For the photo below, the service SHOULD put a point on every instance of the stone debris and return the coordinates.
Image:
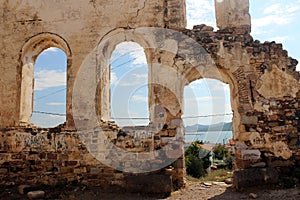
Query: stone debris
(229, 181)
(263, 79)
(36, 195)
(259, 165)
(24, 189)
(207, 184)
(253, 196)
(223, 184)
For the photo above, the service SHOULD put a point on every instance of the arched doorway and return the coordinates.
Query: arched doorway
(208, 128)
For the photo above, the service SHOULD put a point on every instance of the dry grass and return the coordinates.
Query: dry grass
(216, 175)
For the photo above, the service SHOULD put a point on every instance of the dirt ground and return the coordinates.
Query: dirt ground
(193, 191)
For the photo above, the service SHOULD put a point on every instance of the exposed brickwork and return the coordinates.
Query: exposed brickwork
(265, 93)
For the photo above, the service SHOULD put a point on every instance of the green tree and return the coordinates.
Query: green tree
(194, 165)
(221, 152)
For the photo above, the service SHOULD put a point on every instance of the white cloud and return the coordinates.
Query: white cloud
(208, 98)
(279, 39)
(220, 87)
(113, 78)
(47, 120)
(275, 19)
(272, 9)
(281, 8)
(139, 98)
(55, 104)
(128, 83)
(51, 49)
(277, 14)
(58, 118)
(200, 12)
(134, 80)
(141, 76)
(49, 78)
(133, 50)
(211, 85)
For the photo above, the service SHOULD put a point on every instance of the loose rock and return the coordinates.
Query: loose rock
(36, 195)
(23, 189)
(253, 196)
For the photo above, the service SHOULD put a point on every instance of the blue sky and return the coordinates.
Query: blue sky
(129, 84)
(50, 87)
(272, 20)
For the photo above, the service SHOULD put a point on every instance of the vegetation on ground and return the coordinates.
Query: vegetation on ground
(197, 167)
(219, 175)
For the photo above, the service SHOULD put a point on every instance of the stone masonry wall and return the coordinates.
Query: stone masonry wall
(79, 26)
(264, 87)
(56, 156)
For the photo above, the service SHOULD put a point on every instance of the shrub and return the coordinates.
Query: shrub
(194, 165)
(220, 152)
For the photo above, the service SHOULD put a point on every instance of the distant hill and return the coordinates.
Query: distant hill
(214, 127)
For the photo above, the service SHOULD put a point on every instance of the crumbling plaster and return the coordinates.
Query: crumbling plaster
(264, 90)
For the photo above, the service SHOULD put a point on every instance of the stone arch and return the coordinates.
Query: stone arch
(104, 51)
(165, 48)
(226, 77)
(28, 55)
(185, 61)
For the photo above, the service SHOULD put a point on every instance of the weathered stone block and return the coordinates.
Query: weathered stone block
(24, 189)
(259, 165)
(253, 177)
(71, 163)
(52, 156)
(249, 120)
(250, 154)
(3, 170)
(66, 169)
(36, 195)
(148, 183)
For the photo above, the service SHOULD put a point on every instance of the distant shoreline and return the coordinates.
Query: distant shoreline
(213, 127)
(216, 137)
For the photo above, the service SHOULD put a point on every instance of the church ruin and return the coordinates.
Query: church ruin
(91, 150)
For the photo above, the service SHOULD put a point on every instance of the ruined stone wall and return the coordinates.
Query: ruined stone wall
(80, 27)
(59, 157)
(264, 89)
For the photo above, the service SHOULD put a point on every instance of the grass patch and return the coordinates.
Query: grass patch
(219, 175)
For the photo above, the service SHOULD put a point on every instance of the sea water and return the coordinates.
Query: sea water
(216, 137)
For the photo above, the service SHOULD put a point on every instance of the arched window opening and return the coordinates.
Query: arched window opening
(207, 108)
(129, 85)
(200, 12)
(208, 126)
(49, 104)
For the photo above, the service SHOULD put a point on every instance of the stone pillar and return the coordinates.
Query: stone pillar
(175, 14)
(26, 106)
(166, 101)
(103, 89)
(165, 89)
(233, 14)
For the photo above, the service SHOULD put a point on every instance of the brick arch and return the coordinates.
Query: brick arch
(32, 48)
